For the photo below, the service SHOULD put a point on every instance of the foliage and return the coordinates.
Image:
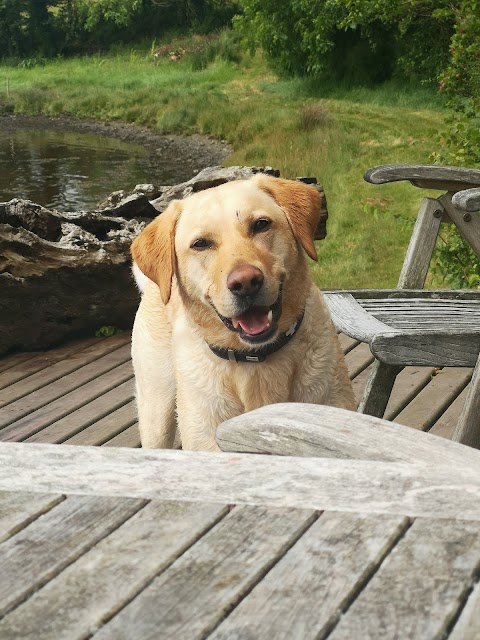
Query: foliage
(367, 40)
(455, 263)
(30, 28)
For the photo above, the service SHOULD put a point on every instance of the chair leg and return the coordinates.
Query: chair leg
(379, 387)
(467, 430)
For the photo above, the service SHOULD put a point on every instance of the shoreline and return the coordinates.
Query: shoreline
(202, 150)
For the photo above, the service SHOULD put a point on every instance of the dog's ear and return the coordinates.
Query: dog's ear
(154, 249)
(301, 204)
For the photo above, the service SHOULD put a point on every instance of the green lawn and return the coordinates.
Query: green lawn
(301, 127)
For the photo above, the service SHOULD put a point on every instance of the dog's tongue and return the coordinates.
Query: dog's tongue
(253, 321)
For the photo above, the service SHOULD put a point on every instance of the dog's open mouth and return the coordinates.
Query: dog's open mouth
(256, 323)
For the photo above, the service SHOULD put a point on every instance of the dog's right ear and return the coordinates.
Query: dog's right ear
(154, 249)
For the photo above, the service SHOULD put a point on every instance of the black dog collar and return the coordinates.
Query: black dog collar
(259, 355)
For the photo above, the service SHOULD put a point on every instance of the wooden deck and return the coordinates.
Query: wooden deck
(82, 393)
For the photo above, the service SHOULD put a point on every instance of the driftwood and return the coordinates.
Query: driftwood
(66, 274)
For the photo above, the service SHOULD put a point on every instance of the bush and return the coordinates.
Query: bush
(455, 262)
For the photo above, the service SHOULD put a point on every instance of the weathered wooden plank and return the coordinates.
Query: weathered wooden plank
(128, 438)
(211, 577)
(408, 384)
(424, 410)
(37, 553)
(371, 295)
(312, 483)
(468, 200)
(359, 383)
(422, 243)
(95, 385)
(445, 425)
(6, 362)
(419, 587)
(318, 431)
(108, 576)
(302, 596)
(350, 318)
(38, 381)
(108, 427)
(441, 348)
(347, 343)
(358, 360)
(378, 389)
(43, 360)
(428, 176)
(17, 509)
(467, 430)
(79, 420)
(468, 624)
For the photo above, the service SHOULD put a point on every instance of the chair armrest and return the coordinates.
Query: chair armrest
(425, 176)
(467, 200)
(311, 430)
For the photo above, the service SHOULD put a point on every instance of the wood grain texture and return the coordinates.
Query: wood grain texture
(377, 391)
(313, 483)
(409, 383)
(305, 592)
(431, 176)
(103, 580)
(42, 361)
(422, 243)
(419, 587)
(349, 317)
(467, 430)
(80, 419)
(76, 394)
(445, 425)
(314, 430)
(12, 360)
(358, 360)
(78, 360)
(468, 200)
(424, 410)
(37, 553)
(193, 595)
(468, 624)
(107, 427)
(441, 348)
(128, 438)
(17, 509)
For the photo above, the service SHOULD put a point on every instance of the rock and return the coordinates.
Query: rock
(68, 274)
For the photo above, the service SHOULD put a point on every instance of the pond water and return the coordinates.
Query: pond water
(75, 171)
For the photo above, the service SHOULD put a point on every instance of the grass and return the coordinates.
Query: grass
(301, 127)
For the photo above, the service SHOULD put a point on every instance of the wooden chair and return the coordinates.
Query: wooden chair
(410, 326)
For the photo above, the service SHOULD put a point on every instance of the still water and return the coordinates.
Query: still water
(75, 171)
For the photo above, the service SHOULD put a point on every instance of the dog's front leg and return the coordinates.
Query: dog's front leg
(198, 419)
(155, 389)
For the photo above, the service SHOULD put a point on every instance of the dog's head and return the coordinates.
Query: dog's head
(237, 253)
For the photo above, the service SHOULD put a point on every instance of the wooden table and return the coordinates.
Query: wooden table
(132, 544)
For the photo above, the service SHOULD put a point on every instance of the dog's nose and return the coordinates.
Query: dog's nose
(245, 280)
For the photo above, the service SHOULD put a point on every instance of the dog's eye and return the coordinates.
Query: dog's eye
(200, 244)
(261, 224)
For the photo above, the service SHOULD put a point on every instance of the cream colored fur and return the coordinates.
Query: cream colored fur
(180, 383)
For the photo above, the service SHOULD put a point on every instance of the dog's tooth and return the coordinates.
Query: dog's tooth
(270, 316)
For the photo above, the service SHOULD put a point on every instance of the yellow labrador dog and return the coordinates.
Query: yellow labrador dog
(229, 319)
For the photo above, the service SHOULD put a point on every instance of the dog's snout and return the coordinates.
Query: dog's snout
(245, 280)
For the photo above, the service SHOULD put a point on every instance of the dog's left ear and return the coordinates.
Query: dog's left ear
(154, 249)
(301, 204)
